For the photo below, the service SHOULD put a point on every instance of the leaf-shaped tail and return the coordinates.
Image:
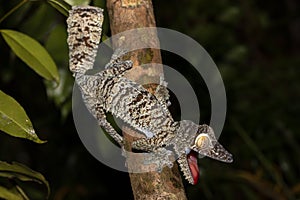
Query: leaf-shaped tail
(84, 34)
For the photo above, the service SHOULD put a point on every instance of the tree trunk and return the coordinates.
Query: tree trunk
(130, 14)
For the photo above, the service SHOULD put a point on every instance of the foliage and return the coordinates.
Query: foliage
(32, 53)
(14, 121)
(15, 172)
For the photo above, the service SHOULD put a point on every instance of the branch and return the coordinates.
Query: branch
(130, 14)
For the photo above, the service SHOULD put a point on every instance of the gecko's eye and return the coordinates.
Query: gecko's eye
(202, 141)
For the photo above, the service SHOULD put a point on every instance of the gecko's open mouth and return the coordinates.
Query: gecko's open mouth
(192, 160)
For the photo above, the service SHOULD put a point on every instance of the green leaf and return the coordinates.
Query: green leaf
(78, 2)
(61, 6)
(14, 121)
(6, 193)
(32, 53)
(21, 192)
(22, 173)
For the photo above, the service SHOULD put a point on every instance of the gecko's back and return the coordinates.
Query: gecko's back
(139, 108)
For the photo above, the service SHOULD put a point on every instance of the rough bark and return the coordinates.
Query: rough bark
(130, 14)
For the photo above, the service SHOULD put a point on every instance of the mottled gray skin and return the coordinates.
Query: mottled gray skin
(109, 91)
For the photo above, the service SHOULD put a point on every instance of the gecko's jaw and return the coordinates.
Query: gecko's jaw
(192, 160)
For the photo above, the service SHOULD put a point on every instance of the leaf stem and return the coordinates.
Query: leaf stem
(13, 10)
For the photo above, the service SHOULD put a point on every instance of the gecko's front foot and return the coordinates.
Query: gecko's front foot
(160, 157)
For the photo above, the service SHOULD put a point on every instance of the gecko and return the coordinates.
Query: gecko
(109, 91)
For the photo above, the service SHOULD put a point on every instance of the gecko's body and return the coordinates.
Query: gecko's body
(110, 91)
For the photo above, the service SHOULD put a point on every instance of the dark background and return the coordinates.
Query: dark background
(256, 46)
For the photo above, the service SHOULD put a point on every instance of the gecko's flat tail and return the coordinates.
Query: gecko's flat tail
(192, 160)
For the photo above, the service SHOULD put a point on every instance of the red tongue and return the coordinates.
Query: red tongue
(192, 159)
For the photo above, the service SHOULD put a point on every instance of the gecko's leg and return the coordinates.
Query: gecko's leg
(98, 112)
(116, 66)
(158, 154)
(116, 57)
(161, 157)
(162, 93)
(117, 69)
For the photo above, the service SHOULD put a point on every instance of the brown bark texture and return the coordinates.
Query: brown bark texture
(126, 15)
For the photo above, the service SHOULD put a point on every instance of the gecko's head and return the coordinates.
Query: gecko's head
(202, 143)
(206, 144)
